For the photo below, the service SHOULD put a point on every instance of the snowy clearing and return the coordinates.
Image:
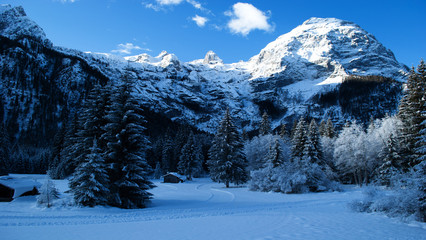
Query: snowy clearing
(202, 209)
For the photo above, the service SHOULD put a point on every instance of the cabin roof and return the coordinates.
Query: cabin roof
(20, 185)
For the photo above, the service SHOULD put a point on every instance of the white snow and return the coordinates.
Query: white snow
(205, 210)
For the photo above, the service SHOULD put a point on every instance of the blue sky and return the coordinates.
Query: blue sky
(234, 30)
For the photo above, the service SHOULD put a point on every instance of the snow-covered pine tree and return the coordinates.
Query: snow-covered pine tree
(410, 112)
(227, 162)
(329, 130)
(48, 193)
(190, 163)
(390, 161)
(127, 144)
(283, 131)
(88, 125)
(265, 125)
(275, 157)
(90, 180)
(321, 128)
(299, 139)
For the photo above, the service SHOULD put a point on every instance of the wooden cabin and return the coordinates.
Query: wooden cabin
(173, 178)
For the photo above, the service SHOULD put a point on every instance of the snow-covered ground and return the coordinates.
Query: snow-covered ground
(202, 209)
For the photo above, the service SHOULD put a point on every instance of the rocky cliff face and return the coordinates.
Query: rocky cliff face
(40, 83)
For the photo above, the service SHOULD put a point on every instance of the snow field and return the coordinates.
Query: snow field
(202, 209)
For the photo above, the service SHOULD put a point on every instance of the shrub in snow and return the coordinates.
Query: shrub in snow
(48, 193)
(407, 199)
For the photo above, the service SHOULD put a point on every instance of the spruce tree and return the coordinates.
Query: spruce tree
(390, 161)
(410, 112)
(275, 156)
(190, 162)
(283, 131)
(322, 127)
(90, 180)
(265, 125)
(227, 162)
(127, 145)
(299, 139)
(329, 130)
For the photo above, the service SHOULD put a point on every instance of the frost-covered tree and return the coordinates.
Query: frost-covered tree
(48, 194)
(227, 162)
(190, 163)
(349, 152)
(257, 149)
(127, 144)
(299, 139)
(90, 180)
(265, 125)
(158, 172)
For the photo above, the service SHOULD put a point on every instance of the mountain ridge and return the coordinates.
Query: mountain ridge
(283, 79)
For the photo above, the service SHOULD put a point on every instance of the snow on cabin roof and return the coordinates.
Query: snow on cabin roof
(176, 175)
(20, 185)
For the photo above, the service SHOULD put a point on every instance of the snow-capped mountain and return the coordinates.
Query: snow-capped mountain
(286, 78)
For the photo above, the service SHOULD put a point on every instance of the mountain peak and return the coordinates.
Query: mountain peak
(319, 46)
(15, 24)
(212, 58)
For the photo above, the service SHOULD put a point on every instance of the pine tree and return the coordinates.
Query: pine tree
(410, 112)
(56, 157)
(299, 140)
(48, 193)
(167, 154)
(283, 131)
(90, 180)
(265, 125)
(65, 166)
(275, 156)
(190, 163)
(312, 148)
(390, 161)
(329, 130)
(322, 127)
(227, 162)
(126, 150)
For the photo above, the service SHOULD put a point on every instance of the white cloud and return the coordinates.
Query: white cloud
(200, 21)
(169, 2)
(66, 1)
(161, 4)
(195, 4)
(128, 48)
(245, 18)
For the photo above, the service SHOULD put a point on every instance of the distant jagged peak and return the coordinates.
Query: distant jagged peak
(212, 58)
(15, 24)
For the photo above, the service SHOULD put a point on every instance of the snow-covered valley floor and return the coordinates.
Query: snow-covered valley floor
(202, 209)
